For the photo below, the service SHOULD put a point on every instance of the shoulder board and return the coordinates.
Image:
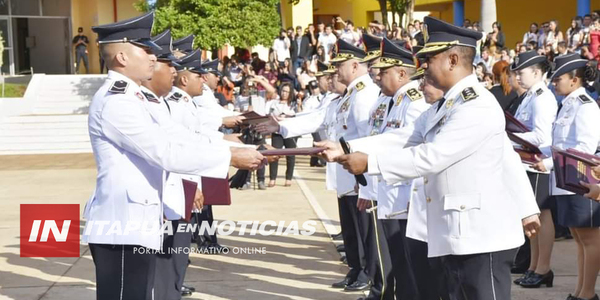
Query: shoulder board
(469, 94)
(585, 99)
(360, 86)
(414, 94)
(119, 87)
(175, 97)
(539, 92)
(151, 97)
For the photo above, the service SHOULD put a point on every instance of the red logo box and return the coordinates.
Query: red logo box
(49, 230)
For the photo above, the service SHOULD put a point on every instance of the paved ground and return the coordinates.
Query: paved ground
(294, 267)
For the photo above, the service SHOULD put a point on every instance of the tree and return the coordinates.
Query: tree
(239, 23)
(384, 12)
(401, 7)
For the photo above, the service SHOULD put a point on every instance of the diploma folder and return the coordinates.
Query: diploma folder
(293, 151)
(189, 191)
(526, 150)
(573, 166)
(514, 125)
(216, 191)
(253, 118)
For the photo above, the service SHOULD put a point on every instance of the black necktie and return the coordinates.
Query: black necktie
(440, 103)
(390, 105)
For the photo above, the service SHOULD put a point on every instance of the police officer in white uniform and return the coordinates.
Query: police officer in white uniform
(477, 193)
(131, 150)
(351, 114)
(537, 112)
(576, 127)
(319, 99)
(352, 122)
(404, 104)
(170, 265)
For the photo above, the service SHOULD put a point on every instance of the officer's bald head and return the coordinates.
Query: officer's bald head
(128, 59)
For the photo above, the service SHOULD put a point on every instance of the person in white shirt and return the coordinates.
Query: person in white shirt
(327, 40)
(348, 34)
(281, 47)
(282, 107)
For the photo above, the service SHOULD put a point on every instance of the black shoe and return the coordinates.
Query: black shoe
(340, 248)
(536, 280)
(525, 276)
(357, 286)
(337, 238)
(193, 289)
(337, 235)
(570, 297)
(342, 284)
(185, 292)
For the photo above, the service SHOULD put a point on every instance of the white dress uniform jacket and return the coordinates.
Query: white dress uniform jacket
(317, 120)
(407, 105)
(351, 121)
(477, 192)
(537, 112)
(173, 195)
(185, 112)
(131, 151)
(577, 126)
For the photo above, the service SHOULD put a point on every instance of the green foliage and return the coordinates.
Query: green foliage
(13, 90)
(239, 23)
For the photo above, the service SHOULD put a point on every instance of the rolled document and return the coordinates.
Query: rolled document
(396, 213)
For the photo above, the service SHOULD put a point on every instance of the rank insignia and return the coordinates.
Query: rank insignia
(414, 94)
(175, 97)
(151, 97)
(469, 94)
(539, 92)
(449, 103)
(360, 86)
(119, 87)
(585, 99)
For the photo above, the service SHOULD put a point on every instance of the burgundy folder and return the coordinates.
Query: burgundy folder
(253, 118)
(514, 125)
(576, 167)
(189, 191)
(526, 150)
(293, 151)
(216, 191)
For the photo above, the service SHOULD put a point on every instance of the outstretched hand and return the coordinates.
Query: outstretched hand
(333, 151)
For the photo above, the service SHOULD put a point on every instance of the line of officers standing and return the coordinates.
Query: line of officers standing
(153, 123)
(447, 200)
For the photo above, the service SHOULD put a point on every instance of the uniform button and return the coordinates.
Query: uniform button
(426, 180)
(428, 199)
(146, 201)
(462, 207)
(415, 190)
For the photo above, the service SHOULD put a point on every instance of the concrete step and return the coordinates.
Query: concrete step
(51, 132)
(68, 118)
(36, 138)
(45, 148)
